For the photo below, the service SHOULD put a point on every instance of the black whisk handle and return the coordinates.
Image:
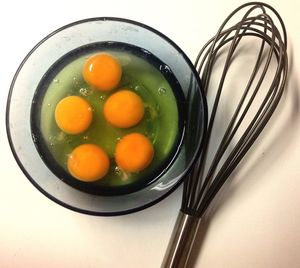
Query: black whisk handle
(181, 242)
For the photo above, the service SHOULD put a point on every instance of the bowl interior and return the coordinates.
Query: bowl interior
(81, 34)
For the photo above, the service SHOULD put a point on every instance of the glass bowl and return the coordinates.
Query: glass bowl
(80, 34)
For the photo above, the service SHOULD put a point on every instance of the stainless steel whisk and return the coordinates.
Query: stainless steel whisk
(205, 180)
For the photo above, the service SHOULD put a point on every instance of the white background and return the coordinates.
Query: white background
(256, 222)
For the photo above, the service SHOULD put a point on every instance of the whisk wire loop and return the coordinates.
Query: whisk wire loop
(201, 187)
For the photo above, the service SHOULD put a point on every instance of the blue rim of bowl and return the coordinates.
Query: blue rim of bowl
(94, 213)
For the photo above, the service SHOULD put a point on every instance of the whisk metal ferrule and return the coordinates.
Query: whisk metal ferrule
(181, 242)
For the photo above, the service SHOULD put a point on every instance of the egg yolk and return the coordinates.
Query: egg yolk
(73, 115)
(102, 71)
(124, 109)
(88, 162)
(134, 152)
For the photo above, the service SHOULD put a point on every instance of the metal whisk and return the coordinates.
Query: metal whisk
(253, 109)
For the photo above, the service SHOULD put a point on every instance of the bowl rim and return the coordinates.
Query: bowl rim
(73, 208)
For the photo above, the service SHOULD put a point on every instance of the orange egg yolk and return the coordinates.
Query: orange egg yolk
(88, 162)
(73, 115)
(124, 109)
(102, 71)
(134, 152)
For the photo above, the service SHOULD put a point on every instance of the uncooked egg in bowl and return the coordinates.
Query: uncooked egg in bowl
(105, 116)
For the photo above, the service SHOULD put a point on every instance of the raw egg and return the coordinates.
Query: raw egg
(73, 115)
(102, 71)
(124, 109)
(134, 152)
(88, 162)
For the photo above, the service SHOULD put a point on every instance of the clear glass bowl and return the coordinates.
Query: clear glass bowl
(58, 44)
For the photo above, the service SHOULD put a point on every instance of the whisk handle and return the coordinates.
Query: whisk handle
(181, 242)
